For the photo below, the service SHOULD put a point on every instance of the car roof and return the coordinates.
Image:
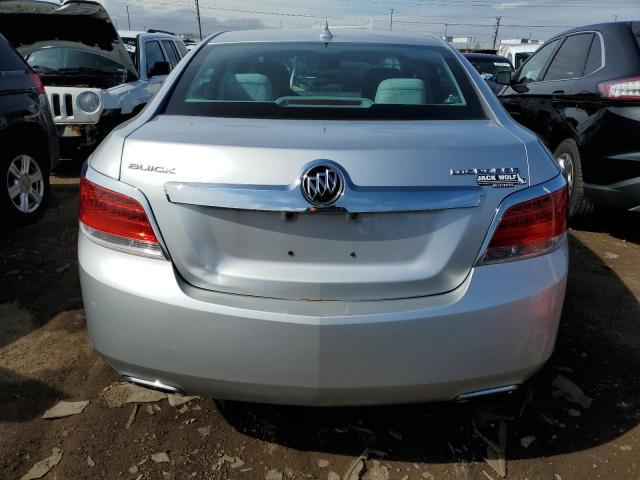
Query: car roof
(339, 36)
(135, 33)
(521, 47)
(598, 27)
(486, 56)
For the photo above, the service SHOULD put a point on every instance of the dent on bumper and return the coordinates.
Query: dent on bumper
(496, 329)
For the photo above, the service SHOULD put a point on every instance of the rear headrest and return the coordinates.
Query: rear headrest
(248, 87)
(373, 77)
(406, 91)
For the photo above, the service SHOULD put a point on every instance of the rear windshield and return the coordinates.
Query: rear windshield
(490, 67)
(9, 59)
(336, 81)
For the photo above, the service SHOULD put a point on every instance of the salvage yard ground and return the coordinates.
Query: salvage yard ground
(577, 419)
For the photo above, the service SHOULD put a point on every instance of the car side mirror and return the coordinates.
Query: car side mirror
(503, 77)
(159, 68)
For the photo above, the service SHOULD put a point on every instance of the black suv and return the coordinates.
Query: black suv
(29, 145)
(580, 92)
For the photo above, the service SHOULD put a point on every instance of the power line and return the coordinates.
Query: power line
(311, 16)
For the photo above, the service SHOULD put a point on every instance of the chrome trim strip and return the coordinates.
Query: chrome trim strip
(356, 199)
(535, 191)
(153, 384)
(486, 391)
(126, 189)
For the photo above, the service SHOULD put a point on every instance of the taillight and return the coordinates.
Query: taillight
(529, 228)
(35, 78)
(621, 89)
(116, 220)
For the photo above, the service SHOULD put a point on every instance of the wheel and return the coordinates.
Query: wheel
(24, 184)
(568, 157)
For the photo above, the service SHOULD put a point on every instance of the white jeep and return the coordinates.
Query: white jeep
(91, 80)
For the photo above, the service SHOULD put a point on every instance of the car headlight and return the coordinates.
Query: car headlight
(88, 102)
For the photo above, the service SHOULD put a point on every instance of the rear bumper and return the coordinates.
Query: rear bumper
(623, 195)
(611, 157)
(496, 329)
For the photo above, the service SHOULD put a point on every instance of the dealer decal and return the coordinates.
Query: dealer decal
(507, 177)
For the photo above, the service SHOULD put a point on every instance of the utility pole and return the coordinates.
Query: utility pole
(495, 34)
(391, 20)
(128, 18)
(198, 17)
(446, 25)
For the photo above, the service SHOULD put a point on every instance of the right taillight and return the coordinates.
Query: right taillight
(530, 228)
(621, 89)
(35, 78)
(117, 221)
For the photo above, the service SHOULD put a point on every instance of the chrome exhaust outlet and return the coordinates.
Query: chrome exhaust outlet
(154, 385)
(487, 391)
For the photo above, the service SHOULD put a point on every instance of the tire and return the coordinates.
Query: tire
(567, 155)
(24, 184)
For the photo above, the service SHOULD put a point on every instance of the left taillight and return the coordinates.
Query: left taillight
(35, 78)
(528, 229)
(621, 89)
(117, 221)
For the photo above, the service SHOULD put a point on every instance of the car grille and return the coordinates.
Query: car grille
(61, 105)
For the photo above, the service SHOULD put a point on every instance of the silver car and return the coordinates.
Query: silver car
(307, 218)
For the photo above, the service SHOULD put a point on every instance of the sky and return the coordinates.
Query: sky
(537, 19)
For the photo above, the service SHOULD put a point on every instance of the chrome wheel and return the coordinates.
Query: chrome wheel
(25, 184)
(566, 164)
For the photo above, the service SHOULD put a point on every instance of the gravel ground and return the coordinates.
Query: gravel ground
(45, 357)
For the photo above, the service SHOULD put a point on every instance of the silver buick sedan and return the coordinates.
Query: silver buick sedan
(302, 217)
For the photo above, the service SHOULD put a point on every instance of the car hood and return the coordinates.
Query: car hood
(84, 23)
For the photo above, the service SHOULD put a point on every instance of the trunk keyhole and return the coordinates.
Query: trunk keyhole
(291, 254)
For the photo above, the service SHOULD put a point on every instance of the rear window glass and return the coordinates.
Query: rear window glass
(311, 80)
(490, 67)
(570, 60)
(594, 60)
(170, 50)
(9, 59)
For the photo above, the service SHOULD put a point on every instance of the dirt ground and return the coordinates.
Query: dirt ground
(45, 357)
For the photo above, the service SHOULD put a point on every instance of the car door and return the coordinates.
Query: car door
(562, 86)
(153, 54)
(526, 96)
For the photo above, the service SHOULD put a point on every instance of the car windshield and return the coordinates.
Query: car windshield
(131, 46)
(491, 67)
(313, 80)
(73, 61)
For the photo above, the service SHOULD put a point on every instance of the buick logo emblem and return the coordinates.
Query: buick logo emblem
(322, 185)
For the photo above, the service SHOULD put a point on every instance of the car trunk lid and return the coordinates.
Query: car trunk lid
(226, 195)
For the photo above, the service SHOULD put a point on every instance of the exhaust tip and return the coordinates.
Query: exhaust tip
(485, 392)
(154, 384)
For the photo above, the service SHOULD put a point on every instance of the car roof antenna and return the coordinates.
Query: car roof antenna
(326, 36)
